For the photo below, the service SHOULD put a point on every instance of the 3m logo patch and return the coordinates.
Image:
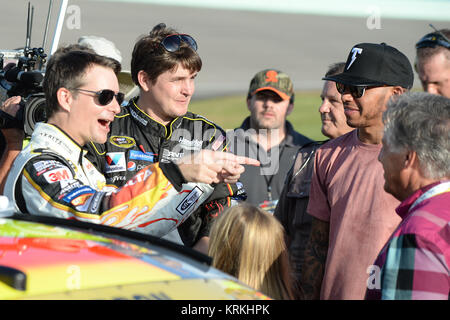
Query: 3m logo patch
(122, 142)
(57, 175)
(189, 200)
(115, 162)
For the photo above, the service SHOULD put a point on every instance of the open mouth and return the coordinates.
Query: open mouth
(104, 123)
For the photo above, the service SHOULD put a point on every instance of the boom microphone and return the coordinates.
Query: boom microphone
(26, 77)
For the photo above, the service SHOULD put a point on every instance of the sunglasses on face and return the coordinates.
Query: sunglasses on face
(355, 91)
(172, 42)
(432, 40)
(105, 96)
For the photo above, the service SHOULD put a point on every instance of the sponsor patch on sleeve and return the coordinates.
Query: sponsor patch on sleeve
(189, 200)
(67, 186)
(78, 195)
(58, 174)
(46, 165)
(96, 201)
(81, 200)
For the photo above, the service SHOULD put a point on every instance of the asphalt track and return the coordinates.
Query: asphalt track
(233, 44)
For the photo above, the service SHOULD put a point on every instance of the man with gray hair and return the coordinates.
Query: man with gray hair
(415, 262)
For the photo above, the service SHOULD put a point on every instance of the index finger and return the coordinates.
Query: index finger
(246, 160)
(238, 159)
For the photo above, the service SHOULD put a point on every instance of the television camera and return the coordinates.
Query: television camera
(24, 78)
(25, 81)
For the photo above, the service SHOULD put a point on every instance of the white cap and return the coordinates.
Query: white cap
(101, 46)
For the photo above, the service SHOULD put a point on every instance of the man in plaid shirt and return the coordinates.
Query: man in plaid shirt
(415, 262)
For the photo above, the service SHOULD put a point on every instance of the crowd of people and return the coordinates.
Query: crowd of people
(363, 215)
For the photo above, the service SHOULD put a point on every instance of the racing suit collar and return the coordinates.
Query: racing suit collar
(56, 139)
(148, 124)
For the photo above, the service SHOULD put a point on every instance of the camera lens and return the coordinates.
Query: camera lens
(39, 114)
(34, 112)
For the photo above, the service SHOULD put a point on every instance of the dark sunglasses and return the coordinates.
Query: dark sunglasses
(105, 96)
(432, 40)
(172, 42)
(355, 91)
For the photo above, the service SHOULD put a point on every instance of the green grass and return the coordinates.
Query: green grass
(229, 112)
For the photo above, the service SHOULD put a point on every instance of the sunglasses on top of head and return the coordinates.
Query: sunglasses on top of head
(172, 42)
(105, 96)
(432, 40)
(355, 91)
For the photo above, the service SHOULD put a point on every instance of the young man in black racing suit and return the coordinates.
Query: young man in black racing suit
(157, 127)
(52, 176)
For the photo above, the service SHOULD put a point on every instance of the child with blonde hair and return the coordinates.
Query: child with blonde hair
(248, 243)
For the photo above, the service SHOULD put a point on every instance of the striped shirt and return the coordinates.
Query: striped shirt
(414, 264)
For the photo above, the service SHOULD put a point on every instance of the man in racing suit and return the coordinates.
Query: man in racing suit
(156, 126)
(52, 176)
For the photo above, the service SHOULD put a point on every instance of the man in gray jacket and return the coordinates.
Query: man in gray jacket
(266, 135)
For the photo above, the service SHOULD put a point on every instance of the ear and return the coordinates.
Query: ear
(65, 98)
(397, 90)
(416, 64)
(290, 108)
(249, 104)
(144, 80)
(411, 160)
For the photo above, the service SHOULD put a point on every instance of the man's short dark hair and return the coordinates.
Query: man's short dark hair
(66, 69)
(335, 69)
(150, 56)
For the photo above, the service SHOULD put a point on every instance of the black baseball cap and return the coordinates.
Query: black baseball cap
(371, 64)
